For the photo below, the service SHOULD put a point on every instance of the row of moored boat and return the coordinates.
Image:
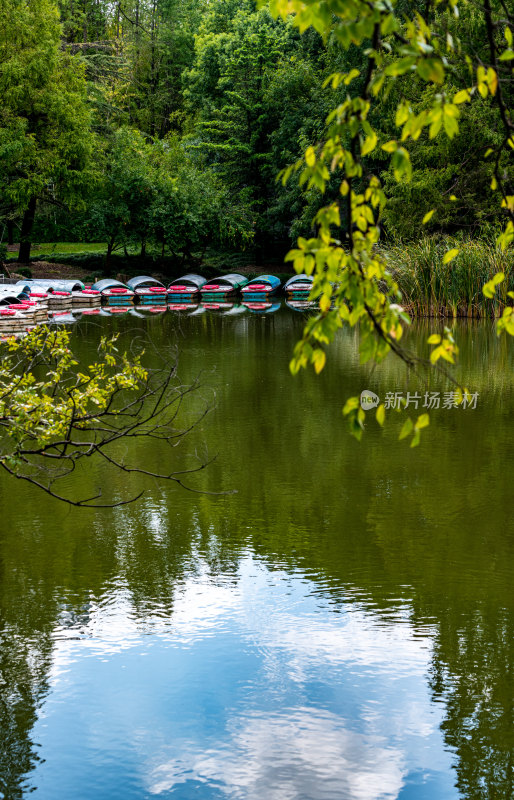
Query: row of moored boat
(33, 302)
(147, 291)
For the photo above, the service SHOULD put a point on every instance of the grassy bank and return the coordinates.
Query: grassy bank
(60, 250)
(90, 260)
(431, 288)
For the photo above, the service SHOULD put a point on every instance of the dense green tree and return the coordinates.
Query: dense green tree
(119, 207)
(152, 193)
(44, 118)
(192, 208)
(135, 52)
(451, 166)
(253, 92)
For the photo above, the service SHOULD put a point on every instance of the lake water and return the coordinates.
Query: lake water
(340, 628)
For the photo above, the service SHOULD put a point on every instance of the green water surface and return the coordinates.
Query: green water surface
(339, 628)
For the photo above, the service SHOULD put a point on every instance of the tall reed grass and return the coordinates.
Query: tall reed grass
(431, 288)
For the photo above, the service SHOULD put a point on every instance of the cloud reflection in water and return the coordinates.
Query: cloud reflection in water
(251, 688)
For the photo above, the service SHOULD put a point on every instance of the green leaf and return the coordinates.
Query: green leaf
(402, 114)
(422, 422)
(351, 404)
(462, 97)
(428, 216)
(450, 255)
(324, 303)
(436, 354)
(415, 439)
(451, 126)
(406, 428)
(431, 69)
(436, 124)
(318, 359)
(380, 414)
(354, 73)
(369, 144)
(401, 164)
(294, 366)
(401, 66)
(489, 288)
(310, 156)
(434, 339)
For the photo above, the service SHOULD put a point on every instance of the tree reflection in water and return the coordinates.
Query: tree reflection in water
(419, 538)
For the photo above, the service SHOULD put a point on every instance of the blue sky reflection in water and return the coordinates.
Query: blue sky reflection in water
(253, 688)
(342, 628)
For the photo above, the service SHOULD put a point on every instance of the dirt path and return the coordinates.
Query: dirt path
(44, 269)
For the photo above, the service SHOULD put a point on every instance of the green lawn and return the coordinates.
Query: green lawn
(56, 248)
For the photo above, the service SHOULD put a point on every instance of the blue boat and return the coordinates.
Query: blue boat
(148, 291)
(299, 286)
(13, 294)
(263, 286)
(54, 285)
(186, 287)
(224, 286)
(114, 292)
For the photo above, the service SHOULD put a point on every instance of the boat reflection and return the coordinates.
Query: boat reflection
(262, 307)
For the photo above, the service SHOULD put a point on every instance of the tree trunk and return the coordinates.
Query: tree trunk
(10, 231)
(110, 247)
(84, 23)
(26, 230)
(153, 71)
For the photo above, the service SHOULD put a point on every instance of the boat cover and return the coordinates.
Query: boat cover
(108, 283)
(302, 279)
(264, 283)
(191, 280)
(62, 318)
(182, 306)
(143, 282)
(231, 281)
(217, 305)
(55, 284)
(11, 293)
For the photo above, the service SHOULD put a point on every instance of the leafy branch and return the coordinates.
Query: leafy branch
(49, 426)
(352, 283)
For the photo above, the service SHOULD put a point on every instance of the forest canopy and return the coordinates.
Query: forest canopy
(163, 124)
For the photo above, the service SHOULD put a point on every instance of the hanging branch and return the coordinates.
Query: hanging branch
(48, 427)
